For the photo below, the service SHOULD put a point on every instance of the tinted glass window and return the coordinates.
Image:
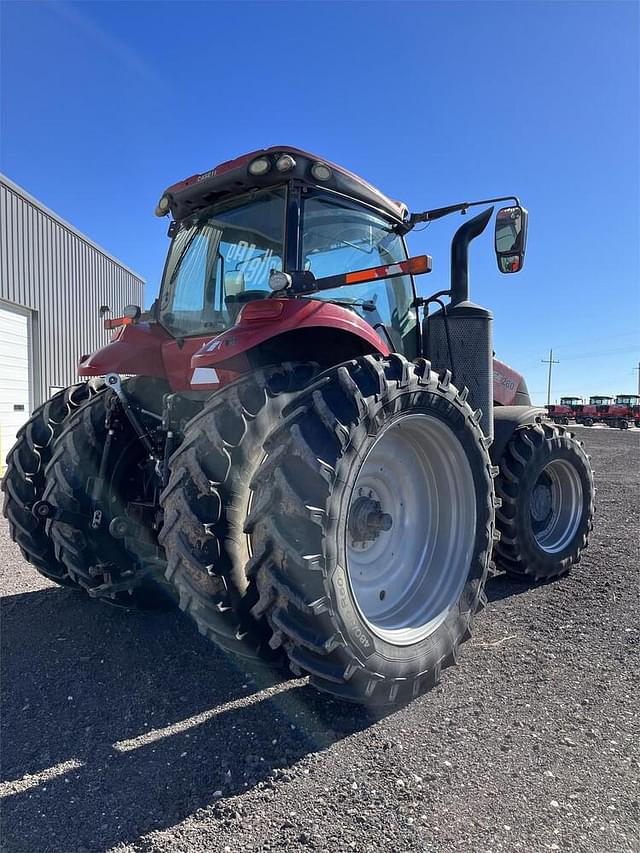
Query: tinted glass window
(221, 261)
(339, 236)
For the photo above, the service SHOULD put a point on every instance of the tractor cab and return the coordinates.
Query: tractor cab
(571, 402)
(600, 403)
(632, 400)
(282, 223)
(227, 255)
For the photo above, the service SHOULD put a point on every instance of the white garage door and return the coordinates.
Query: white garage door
(15, 376)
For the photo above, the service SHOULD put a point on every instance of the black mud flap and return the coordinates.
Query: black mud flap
(506, 420)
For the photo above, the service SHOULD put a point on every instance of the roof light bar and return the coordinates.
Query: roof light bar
(163, 206)
(321, 172)
(285, 163)
(259, 166)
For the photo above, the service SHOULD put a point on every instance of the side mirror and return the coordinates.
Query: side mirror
(511, 238)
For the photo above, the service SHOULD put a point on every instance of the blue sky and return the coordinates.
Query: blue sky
(105, 104)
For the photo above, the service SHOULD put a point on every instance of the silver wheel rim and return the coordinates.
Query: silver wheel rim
(406, 579)
(556, 506)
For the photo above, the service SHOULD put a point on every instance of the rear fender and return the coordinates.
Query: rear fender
(145, 349)
(134, 349)
(296, 328)
(506, 420)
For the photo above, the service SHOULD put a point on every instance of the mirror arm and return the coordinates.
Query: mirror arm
(462, 207)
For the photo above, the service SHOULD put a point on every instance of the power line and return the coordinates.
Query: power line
(600, 353)
(578, 343)
(550, 362)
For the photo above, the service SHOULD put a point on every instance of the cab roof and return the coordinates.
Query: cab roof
(233, 178)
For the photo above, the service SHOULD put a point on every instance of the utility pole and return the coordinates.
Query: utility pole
(638, 369)
(550, 362)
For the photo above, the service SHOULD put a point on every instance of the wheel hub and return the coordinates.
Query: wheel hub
(556, 506)
(541, 502)
(366, 519)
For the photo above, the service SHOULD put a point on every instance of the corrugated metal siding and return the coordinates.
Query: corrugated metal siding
(64, 278)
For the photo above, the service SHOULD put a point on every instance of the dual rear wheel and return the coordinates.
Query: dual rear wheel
(24, 481)
(60, 504)
(344, 522)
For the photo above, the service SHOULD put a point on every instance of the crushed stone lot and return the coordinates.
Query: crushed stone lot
(127, 731)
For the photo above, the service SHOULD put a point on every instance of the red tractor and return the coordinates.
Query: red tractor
(594, 411)
(321, 475)
(625, 411)
(566, 410)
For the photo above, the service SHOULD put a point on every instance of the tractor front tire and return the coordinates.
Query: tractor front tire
(371, 529)
(206, 502)
(24, 481)
(547, 492)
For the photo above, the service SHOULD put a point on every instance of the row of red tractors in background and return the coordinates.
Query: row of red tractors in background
(622, 411)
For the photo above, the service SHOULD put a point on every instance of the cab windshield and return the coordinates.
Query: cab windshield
(340, 236)
(220, 260)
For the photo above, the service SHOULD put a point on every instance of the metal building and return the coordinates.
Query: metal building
(53, 281)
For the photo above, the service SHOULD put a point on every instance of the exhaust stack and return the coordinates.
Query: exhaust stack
(470, 356)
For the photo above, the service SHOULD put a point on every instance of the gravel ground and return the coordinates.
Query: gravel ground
(126, 731)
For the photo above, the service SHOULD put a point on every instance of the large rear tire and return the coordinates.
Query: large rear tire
(207, 500)
(372, 528)
(121, 570)
(24, 481)
(547, 491)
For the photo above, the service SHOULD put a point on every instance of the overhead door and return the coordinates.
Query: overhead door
(15, 375)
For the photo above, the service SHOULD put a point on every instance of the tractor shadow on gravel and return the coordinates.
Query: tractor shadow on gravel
(83, 682)
(502, 585)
